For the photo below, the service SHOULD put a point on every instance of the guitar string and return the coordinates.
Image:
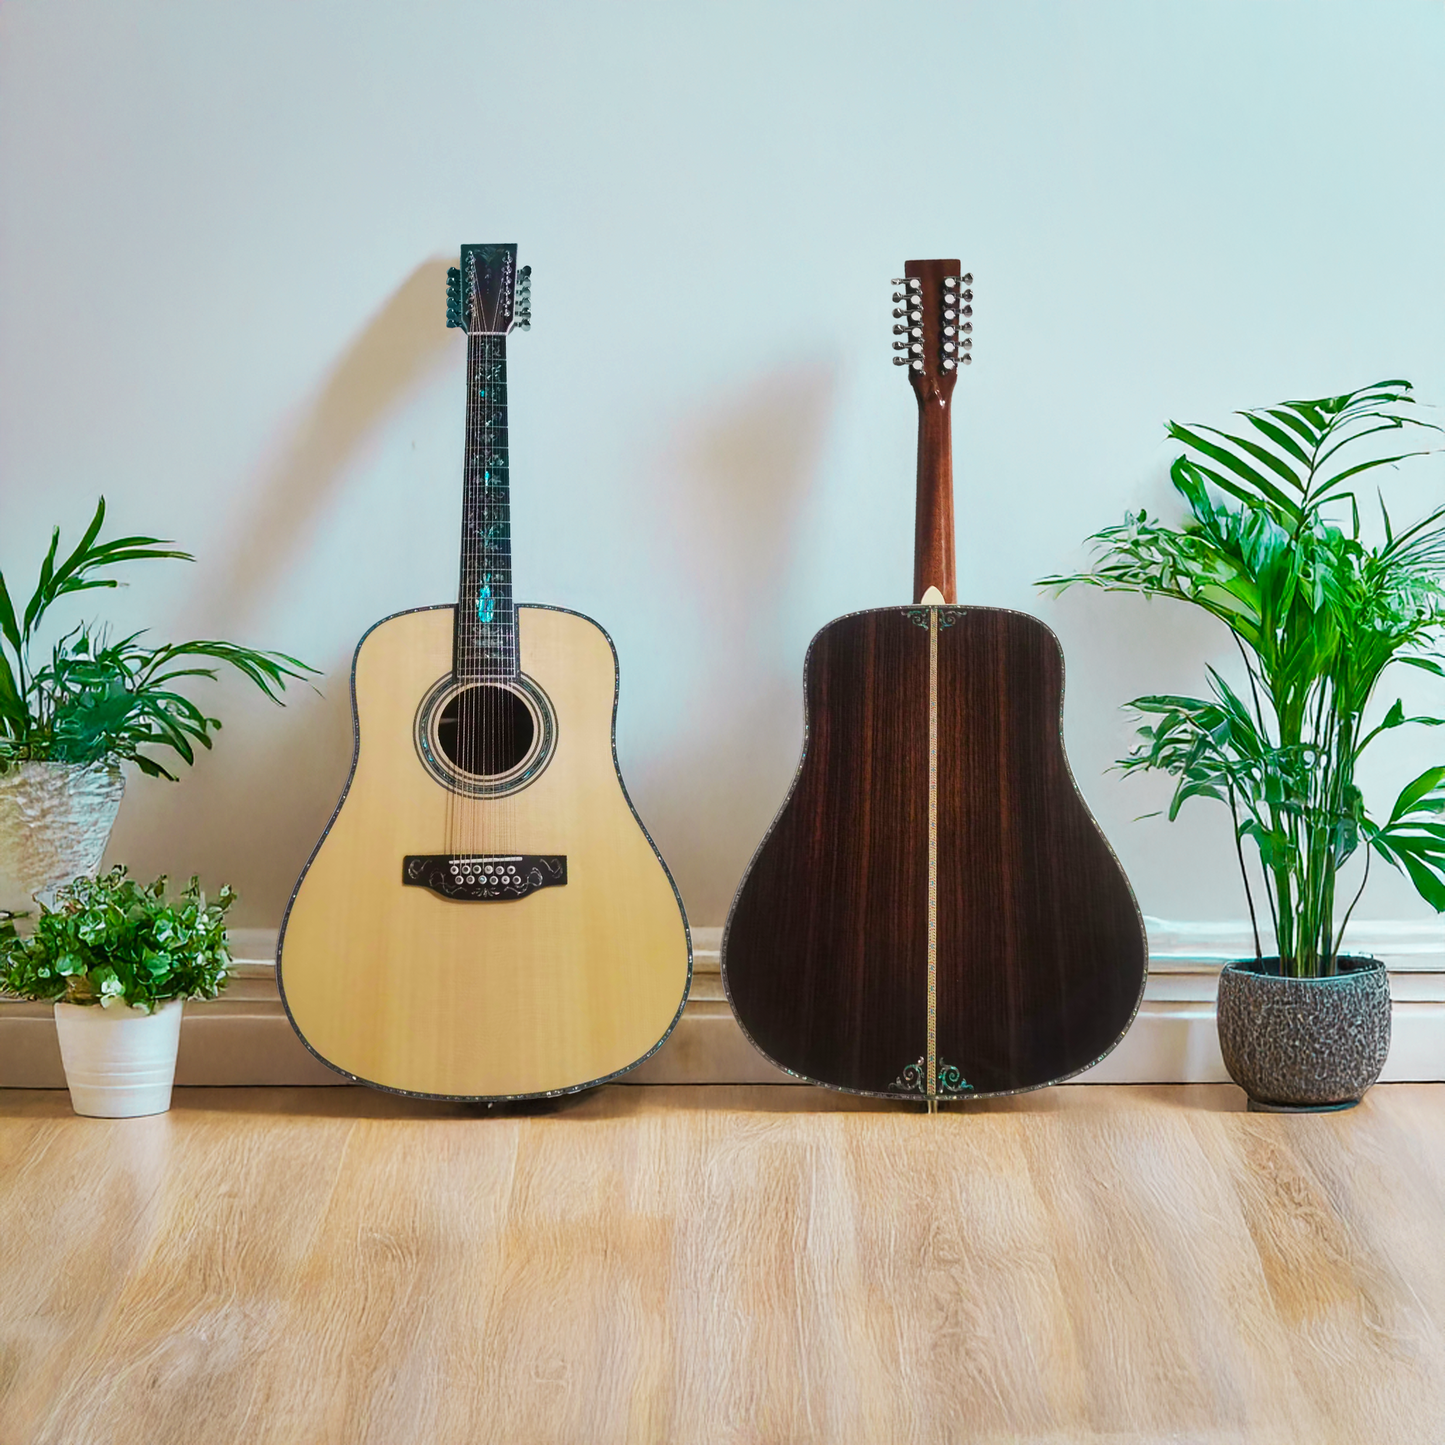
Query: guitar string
(490, 704)
(500, 737)
(458, 621)
(481, 698)
(459, 644)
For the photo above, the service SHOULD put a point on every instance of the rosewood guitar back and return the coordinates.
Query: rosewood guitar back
(1038, 953)
(934, 912)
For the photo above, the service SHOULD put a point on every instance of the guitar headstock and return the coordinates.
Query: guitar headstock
(487, 295)
(933, 312)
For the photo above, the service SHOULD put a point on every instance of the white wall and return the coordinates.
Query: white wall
(223, 232)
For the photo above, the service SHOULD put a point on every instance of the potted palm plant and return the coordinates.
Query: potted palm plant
(119, 959)
(72, 714)
(1272, 545)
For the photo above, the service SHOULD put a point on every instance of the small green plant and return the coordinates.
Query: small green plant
(111, 939)
(1272, 548)
(93, 700)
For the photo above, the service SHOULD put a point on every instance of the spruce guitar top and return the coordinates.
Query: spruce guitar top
(934, 913)
(485, 916)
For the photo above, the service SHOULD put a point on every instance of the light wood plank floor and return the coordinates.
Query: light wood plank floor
(722, 1265)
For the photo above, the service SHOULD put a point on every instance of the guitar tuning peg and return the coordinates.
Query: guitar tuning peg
(967, 278)
(454, 296)
(900, 311)
(900, 296)
(899, 281)
(900, 361)
(966, 359)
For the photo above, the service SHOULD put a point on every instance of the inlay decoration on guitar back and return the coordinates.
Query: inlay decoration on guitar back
(934, 913)
(485, 916)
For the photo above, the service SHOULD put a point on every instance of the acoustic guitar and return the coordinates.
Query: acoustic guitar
(934, 913)
(485, 916)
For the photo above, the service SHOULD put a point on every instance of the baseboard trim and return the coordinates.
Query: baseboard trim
(244, 1037)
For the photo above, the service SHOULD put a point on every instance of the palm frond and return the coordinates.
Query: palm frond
(1319, 615)
(94, 698)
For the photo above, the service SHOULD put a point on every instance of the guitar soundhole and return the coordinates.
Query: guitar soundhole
(485, 731)
(485, 739)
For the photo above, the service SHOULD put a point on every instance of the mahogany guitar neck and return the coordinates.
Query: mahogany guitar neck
(934, 293)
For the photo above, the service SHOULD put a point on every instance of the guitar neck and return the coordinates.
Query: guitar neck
(935, 326)
(933, 549)
(486, 620)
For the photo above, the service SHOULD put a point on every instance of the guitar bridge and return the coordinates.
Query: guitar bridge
(483, 877)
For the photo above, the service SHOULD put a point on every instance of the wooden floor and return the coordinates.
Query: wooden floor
(718, 1265)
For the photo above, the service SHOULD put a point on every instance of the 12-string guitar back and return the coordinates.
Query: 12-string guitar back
(934, 914)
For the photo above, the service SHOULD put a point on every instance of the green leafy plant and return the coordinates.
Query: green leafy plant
(93, 700)
(111, 939)
(1272, 547)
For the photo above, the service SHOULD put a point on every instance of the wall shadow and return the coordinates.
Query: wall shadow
(251, 812)
(395, 354)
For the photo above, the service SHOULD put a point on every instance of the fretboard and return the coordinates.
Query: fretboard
(486, 624)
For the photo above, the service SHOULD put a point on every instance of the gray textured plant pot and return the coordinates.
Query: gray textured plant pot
(1304, 1043)
(55, 820)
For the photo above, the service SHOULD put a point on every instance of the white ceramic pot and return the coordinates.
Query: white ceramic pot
(120, 1063)
(55, 820)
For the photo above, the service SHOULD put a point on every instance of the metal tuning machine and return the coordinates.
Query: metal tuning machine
(523, 317)
(908, 322)
(957, 321)
(454, 296)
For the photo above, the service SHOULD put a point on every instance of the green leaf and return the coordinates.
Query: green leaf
(1263, 455)
(1416, 792)
(1326, 489)
(68, 567)
(1279, 437)
(35, 608)
(1226, 458)
(1308, 434)
(8, 625)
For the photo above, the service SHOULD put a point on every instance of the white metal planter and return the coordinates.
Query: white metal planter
(55, 820)
(120, 1063)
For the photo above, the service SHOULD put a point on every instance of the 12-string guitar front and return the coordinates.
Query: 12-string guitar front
(485, 916)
